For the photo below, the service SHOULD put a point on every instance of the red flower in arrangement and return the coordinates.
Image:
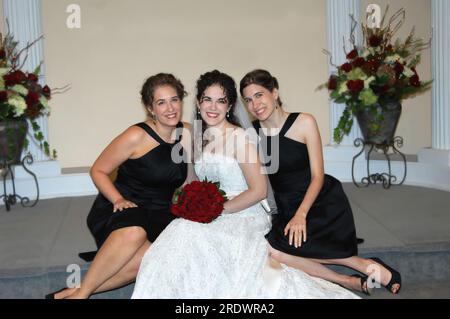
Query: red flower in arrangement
(32, 77)
(399, 68)
(355, 86)
(3, 96)
(359, 62)
(415, 81)
(15, 77)
(371, 66)
(32, 99)
(347, 67)
(47, 92)
(375, 41)
(332, 83)
(352, 55)
(200, 202)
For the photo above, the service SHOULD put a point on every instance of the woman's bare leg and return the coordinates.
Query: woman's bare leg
(125, 276)
(117, 251)
(316, 269)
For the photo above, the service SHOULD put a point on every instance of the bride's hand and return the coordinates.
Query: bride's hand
(122, 203)
(296, 228)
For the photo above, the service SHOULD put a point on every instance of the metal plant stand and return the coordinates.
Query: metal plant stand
(386, 178)
(11, 199)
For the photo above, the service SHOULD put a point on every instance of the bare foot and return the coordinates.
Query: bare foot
(78, 294)
(65, 293)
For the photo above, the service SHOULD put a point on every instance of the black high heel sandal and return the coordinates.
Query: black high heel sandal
(396, 278)
(52, 295)
(364, 285)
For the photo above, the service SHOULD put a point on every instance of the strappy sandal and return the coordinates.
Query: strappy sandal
(396, 278)
(364, 286)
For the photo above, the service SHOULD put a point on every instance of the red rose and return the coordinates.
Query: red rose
(353, 54)
(2, 54)
(375, 41)
(399, 68)
(347, 67)
(332, 83)
(415, 80)
(32, 77)
(47, 92)
(32, 99)
(355, 86)
(371, 66)
(33, 111)
(359, 62)
(3, 96)
(14, 78)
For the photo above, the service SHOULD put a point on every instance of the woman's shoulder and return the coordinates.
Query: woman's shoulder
(245, 136)
(305, 120)
(134, 133)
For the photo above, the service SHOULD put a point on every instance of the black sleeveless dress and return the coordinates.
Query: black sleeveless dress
(149, 182)
(330, 227)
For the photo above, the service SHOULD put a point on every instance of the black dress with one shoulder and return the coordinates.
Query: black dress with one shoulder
(149, 182)
(330, 225)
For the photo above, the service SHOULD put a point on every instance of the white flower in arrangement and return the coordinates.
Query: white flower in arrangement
(368, 81)
(18, 104)
(43, 100)
(408, 72)
(343, 88)
(394, 58)
(365, 54)
(3, 71)
(20, 89)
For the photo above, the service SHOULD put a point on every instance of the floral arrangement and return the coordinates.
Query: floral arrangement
(200, 202)
(377, 73)
(22, 97)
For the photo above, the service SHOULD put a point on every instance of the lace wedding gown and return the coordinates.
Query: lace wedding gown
(225, 259)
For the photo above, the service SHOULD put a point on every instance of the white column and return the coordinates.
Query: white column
(339, 29)
(25, 24)
(439, 154)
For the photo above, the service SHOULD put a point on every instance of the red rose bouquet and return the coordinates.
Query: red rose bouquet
(200, 202)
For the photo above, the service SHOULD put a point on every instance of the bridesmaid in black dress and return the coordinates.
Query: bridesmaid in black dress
(129, 214)
(314, 224)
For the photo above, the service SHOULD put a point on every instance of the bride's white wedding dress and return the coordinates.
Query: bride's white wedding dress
(225, 259)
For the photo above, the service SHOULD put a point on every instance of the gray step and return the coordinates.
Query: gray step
(424, 270)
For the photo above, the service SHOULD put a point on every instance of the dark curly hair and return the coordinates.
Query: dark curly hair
(262, 78)
(229, 86)
(155, 81)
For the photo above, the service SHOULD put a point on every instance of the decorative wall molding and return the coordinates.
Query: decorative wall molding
(24, 18)
(441, 74)
(338, 32)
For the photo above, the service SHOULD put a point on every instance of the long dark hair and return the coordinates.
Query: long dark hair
(229, 86)
(262, 78)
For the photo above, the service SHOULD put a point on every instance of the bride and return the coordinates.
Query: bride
(228, 258)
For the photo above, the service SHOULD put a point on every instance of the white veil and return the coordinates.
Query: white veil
(243, 118)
